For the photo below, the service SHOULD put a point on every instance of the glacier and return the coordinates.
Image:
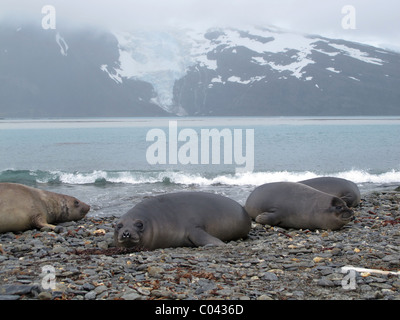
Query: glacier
(159, 58)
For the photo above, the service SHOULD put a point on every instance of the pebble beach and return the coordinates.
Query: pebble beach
(78, 261)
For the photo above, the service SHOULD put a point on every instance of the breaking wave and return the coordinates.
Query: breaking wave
(102, 177)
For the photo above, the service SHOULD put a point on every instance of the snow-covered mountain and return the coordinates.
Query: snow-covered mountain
(218, 71)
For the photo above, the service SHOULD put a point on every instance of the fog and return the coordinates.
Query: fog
(376, 22)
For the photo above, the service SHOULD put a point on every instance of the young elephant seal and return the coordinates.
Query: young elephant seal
(23, 208)
(182, 219)
(295, 205)
(342, 188)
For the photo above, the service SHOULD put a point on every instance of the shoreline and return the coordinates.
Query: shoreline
(77, 261)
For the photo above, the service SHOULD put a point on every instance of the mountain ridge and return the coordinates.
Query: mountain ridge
(212, 72)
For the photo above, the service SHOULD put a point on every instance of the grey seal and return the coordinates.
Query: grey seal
(295, 205)
(182, 219)
(23, 208)
(342, 188)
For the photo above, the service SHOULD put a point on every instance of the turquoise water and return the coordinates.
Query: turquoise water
(106, 161)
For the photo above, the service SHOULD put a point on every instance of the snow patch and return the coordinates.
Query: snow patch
(217, 80)
(116, 77)
(333, 70)
(280, 42)
(331, 54)
(63, 45)
(259, 60)
(295, 68)
(357, 54)
(239, 80)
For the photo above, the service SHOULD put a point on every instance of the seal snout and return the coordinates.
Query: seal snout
(126, 239)
(85, 208)
(81, 207)
(348, 215)
(126, 235)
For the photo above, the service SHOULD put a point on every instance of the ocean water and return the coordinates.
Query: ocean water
(112, 163)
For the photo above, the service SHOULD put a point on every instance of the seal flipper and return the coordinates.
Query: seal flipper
(200, 238)
(270, 218)
(39, 222)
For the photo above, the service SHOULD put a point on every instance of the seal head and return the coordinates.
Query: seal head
(64, 208)
(128, 233)
(342, 213)
(73, 209)
(342, 188)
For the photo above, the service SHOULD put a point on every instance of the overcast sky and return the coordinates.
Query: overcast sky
(377, 22)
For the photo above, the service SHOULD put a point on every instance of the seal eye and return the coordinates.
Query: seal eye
(339, 208)
(119, 226)
(76, 203)
(139, 225)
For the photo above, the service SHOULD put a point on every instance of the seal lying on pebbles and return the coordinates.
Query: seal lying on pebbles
(295, 205)
(23, 208)
(342, 188)
(182, 219)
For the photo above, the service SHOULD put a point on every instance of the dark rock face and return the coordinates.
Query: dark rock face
(217, 72)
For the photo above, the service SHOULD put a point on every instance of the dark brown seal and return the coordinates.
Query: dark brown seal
(23, 208)
(182, 219)
(295, 205)
(342, 188)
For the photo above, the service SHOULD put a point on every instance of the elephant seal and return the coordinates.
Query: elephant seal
(342, 188)
(23, 208)
(295, 205)
(182, 219)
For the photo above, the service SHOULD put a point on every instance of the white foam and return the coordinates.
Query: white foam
(361, 176)
(187, 178)
(80, 178)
